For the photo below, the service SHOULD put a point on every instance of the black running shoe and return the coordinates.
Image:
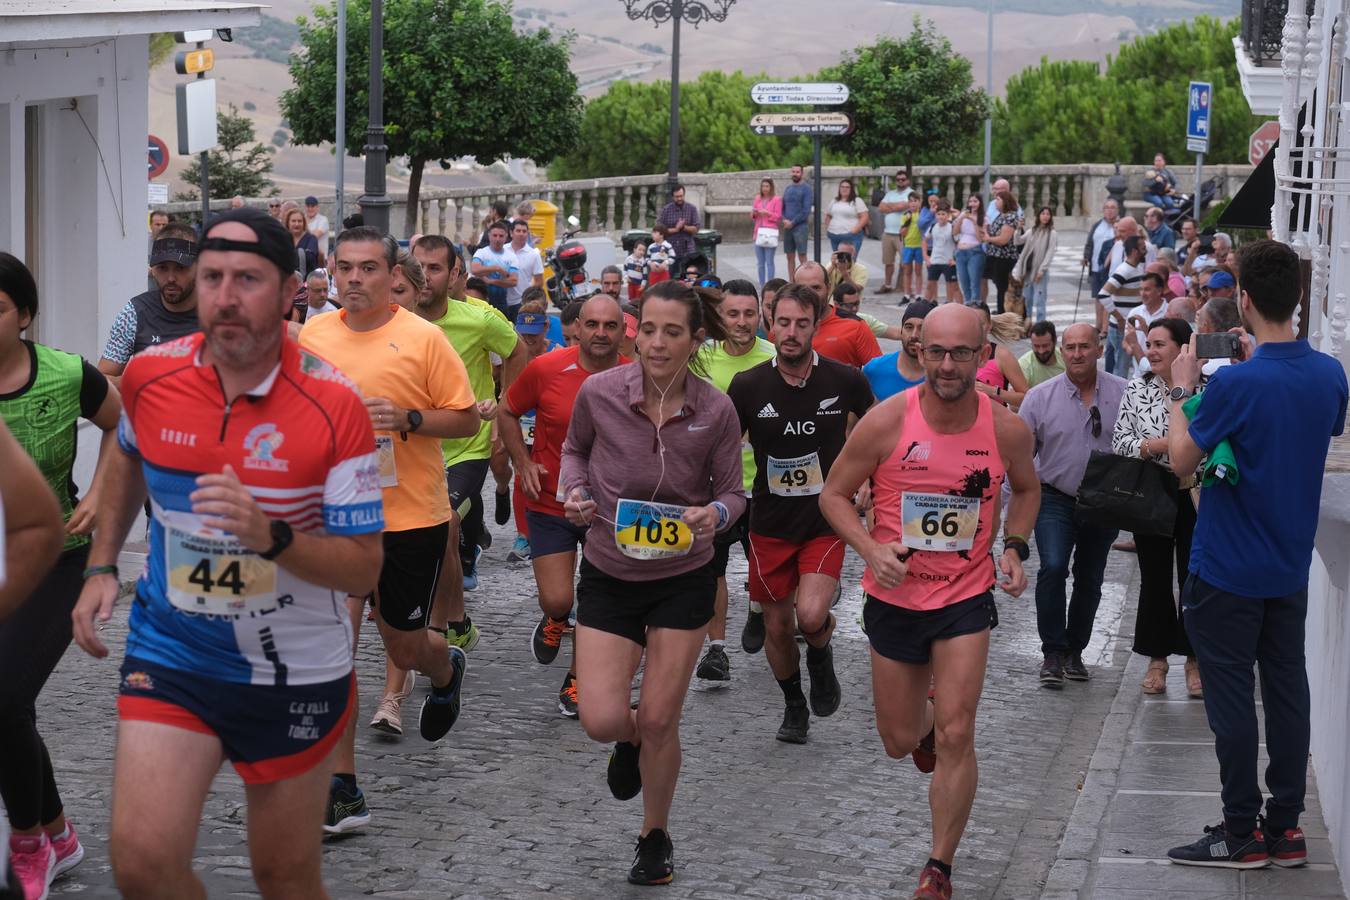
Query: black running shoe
(502, 510)
(752, 636)
(1052, 671)
(1074, 670)
(347, 810)
(441, 708)
(546, 639)
(1287, 848)
(796, 722)
(624, 775)
(1219, 849)
(715, 668)
(654, 861)
(825, 691)
(567, 697)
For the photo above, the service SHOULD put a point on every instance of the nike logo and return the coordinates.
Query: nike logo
(699, 427)
(570, 368)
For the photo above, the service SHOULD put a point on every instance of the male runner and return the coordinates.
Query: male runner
(900, 370)
(417, 393)
(266, 509)
(797, 409)
(163, 314)
(549, 386)
(721, 362)
(937, 456)
(846, 340)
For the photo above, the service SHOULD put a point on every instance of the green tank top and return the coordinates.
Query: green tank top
(43, 416)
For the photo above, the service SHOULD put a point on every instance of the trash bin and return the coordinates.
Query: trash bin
(634, 236)
(705, 242)
(544, 224)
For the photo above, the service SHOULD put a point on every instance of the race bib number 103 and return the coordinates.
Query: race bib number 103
(645, 530)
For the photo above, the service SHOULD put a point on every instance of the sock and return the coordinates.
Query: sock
(348, 780)
(461, 626)
(719, 645)
(815, 655)
(65, 833)
(756, 608)
(792, 689)
(941, 866)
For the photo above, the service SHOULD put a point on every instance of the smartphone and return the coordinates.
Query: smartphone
(1217, 345)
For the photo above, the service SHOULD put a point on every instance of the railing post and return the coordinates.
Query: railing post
(589, 224)
(610, 224)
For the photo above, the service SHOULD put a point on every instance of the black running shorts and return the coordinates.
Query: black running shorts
(907, 635)
(411, 571)
(629, 608)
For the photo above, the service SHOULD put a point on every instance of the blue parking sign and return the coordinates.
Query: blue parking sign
(1199, 104)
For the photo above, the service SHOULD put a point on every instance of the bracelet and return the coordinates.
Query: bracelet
(723, 514)
(100, 570)
(1021, 538)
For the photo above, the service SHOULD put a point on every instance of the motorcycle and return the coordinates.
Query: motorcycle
(565, 268)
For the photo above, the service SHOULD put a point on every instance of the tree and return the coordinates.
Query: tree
(912, 98)
(161, 45)
(236, 167)
(458, 81)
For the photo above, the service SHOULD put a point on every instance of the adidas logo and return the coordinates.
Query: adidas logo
(768, 412)
(415, 614)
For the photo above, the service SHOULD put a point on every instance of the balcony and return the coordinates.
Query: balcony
(1258, 48)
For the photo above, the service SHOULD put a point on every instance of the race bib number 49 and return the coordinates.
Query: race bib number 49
(216, 575)
(939, 522)
(651, 530)
(796, 477)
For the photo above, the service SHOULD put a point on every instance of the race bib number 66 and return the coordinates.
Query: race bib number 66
(939, 522)
(645, 530)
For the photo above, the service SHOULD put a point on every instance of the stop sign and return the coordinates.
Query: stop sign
(1262, 140)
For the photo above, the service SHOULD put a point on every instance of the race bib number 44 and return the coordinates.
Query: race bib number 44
(214, 574)
(645, 530)
(939, 522)
(796, 477)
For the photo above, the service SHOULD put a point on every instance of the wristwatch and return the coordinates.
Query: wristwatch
(1018, 546)
(414, 420)
(282, 535)
(1179, 393)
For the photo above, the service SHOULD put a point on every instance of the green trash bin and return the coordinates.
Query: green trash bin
(705, 242)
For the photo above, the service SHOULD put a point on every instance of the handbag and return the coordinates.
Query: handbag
(1127, 493)
(766, 236)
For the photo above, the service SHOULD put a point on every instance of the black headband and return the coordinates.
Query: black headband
(283, 261)
(274, 243)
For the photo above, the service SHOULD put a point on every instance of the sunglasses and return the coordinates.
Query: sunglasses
(1095, 420)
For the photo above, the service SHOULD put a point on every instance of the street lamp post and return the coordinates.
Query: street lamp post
(695, 12)
(375, 202)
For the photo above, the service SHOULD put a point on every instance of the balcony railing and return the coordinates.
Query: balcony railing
(1263, 26)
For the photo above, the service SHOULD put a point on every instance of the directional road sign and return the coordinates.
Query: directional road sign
(1198, 107)
(772, 93)
(801, 123)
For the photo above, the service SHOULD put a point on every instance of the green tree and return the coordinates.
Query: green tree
(458, 80)
(912, 98)
(239, 165)
(161, 45)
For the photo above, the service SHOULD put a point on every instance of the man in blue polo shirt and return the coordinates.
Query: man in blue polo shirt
(1246, 598)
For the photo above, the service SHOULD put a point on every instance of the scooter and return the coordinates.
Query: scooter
(565, 268)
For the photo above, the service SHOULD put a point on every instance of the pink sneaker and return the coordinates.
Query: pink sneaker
(34, 864)
(69, 851)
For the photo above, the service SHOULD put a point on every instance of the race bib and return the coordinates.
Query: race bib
(796, 477)
(384, 448)
(527, 429)
(651, 530)
(939, 522)
(214, 574)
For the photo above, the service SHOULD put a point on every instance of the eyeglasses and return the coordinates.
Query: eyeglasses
(958, 354)
(274, 206)
(1095, 420)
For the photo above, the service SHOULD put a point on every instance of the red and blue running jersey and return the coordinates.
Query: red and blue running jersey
(301, 443)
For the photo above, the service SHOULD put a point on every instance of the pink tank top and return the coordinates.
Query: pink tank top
(938, 495)
(990, 373)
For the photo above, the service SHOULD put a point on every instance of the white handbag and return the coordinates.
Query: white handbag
(765, 236)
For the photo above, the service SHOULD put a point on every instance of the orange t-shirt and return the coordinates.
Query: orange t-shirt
(847, 341)
(409, 362)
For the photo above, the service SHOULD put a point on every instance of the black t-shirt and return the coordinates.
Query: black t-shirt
(796, 433)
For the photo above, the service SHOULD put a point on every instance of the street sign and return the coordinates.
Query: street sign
(801, 123)
(199, 36)
(772, 93)
(1198, 108)
(196, 115)
(159, 157)
(1261, 142)
(158, 192)
(190, 62)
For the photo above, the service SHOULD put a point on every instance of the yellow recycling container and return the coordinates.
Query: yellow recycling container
(544, 224)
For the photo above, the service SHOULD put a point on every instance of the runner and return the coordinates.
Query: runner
(547, 390)
(31, 530)
(900, 370)
(652, 464)
(937, 456)
(532, 325)
(842, 339)
(163, 314)
(417, 393)
(723, 361)
(43, 395)
(262, 512)
(797, 409)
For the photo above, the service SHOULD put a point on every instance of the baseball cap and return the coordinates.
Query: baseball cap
(630, 325)
(177, 250)
(916, 310)
(531, 323)
(1217, 281)
(311, 201)
(273, 243)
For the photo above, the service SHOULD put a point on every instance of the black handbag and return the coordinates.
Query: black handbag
(1127, 493)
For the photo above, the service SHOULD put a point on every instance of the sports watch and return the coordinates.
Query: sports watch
(414, 420)
(1179, 393)
(282, 535)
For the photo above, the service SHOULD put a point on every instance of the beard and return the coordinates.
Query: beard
(1045, 358)
(796, 356)
(952, 389)
(242, 345)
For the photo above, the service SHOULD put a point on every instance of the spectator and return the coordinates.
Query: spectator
(1141, 431)
(529, 267)
(969, 225)
(317, 222)
(894, 204)
(1141, 321)
(497, 265)
(846, 219)
(1183, 245)
(1160, 185)
(635, 270)
(798, 201)
(911, 251)
(1118, 300)
(682, 221)
(660, 256)
(940, 253)
(1033, 264)
(1217, 316)
(1182, 308)
(497, 212)
(767, 217)
(611, 282)
(1160, 234)
(928, 213)
(1219, 284)
(306, 247)
(1000, 248)
(236, 202)
(844, 266)
(1101, 236)
(274, 208)
(1070, 416)
(1044, 360)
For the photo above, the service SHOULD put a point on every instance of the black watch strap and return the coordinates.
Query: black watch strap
(282, 536)
(1018, 546)
(414, 420)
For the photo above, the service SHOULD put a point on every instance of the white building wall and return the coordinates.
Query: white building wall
(1328, 647)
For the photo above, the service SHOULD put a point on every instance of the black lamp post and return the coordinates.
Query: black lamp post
(695, 12)
(375, 202)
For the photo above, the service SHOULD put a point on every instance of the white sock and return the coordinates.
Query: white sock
(755, 607)
(717, 645)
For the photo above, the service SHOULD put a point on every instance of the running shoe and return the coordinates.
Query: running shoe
(1052, 671)
(34, 863)
(1219, 849)
(1287, 848)
(715, 668)
(752, 636)
(502, 510)
(347, 810)
(520, 550)
(654, 860)
(796, 722)
(1074, 670)
(69, 851)
(388, 718)
(471, 570)
(624, 775)
(825, 690)
(546, 639)
(567, 697)
(933, 885)
(441, 708)
(463, 635)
